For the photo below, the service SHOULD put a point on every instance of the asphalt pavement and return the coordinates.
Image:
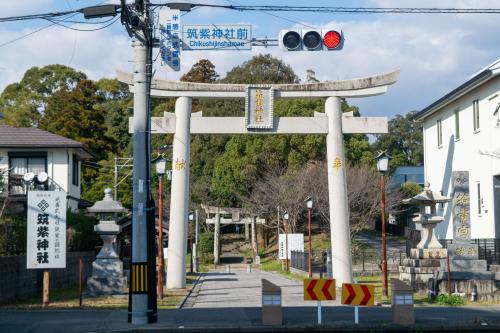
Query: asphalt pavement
(230, 301)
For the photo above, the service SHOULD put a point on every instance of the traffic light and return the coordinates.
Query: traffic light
(310, 40)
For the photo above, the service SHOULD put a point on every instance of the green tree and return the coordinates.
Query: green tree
(403, 142)
(203, 71)
(72, 114)
(23, 103)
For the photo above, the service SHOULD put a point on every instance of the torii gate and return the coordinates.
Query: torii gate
(235, 213)
(332, 123)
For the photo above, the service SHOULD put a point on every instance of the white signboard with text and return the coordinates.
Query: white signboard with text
(46, 229)
(295, 243)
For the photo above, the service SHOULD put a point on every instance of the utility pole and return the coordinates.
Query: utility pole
(142, 291)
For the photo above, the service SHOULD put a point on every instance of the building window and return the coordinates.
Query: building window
(457, 125)
(439, 133)
(475, 111)
(75, 172)
(19, 165)
(479, 210)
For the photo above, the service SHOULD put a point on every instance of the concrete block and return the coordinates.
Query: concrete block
(464, 265)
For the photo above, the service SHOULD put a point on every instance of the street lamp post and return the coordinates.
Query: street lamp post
(191, 218)
(285, 217)
(382, 166)
(160, 166)
(309, 204)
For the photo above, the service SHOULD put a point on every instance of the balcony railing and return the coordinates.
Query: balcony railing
(16, 186)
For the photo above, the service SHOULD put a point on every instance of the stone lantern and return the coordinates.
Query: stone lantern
(107, 270)
(427, 216)
(425, 259)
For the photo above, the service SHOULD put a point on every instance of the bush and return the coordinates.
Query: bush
(205, 243)
(445, 299)
(80, 232)
(12, 235)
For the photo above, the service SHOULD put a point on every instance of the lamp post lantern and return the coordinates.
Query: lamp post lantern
(309, 204)
(382, 166)
(285, 217)
(160, 166)
(191, 219)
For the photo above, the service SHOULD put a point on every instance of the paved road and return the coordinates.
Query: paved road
(220, 289)
(231, 302)
(297, 319)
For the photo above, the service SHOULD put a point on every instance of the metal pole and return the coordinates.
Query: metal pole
(319, 312)
(161, 261)
(278, 230)
(216, 238)
(191, 246)
(196, 228)
(115, 186)
(337, 193)
(384, 243)
(286, 245)
(310, 242)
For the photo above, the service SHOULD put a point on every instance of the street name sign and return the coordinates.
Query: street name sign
(319, 290)
(358, 294)
(46, 230)
(225, 37)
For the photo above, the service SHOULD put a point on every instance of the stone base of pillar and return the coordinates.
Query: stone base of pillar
(107, 277)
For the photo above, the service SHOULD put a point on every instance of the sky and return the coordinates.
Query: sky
(435, 52)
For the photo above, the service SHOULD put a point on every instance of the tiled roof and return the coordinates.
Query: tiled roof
(30, 137)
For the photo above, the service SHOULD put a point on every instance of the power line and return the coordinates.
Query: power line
(352, 10)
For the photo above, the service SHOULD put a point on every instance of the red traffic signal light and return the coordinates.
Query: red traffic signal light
(332, 39)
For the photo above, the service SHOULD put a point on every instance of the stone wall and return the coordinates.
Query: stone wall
(17, 282)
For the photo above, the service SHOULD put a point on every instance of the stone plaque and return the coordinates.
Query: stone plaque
(463, 250)
(259, 107)
(461, 206)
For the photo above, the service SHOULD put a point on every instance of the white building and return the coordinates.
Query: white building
(461, 132)
(24, 150)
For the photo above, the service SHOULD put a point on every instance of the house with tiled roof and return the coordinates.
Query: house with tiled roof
(33, 151)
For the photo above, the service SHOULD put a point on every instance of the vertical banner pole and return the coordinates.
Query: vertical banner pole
(45, 288)
(356, 310)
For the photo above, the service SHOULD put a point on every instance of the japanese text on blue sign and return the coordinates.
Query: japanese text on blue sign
(170, 44)
(217, 37)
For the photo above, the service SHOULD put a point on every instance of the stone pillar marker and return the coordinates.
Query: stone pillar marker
(107, 270)
(217, 239)
(337, 194)
(177, 234)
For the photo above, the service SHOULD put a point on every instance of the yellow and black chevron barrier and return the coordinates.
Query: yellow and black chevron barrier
(139, 281)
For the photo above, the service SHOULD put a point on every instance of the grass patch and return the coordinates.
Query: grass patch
(270, 265)
(67, 298)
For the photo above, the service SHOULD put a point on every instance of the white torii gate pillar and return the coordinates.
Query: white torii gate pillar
(337, 194)
(177, 233)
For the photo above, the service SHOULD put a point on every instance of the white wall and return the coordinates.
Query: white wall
(467, 153)
(59, 162)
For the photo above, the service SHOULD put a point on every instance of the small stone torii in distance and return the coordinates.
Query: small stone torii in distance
(214, 216)
(333, 123)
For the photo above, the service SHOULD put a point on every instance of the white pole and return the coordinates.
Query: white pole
(139, 304)
(217, 239)
(356, 310)
(337, 193)
(319, 312)
(177, 235)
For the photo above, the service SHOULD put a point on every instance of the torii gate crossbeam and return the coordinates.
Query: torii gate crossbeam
(333, 123)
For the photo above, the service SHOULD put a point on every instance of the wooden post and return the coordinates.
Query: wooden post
(80, 282)
(45, 289)
(449, 273)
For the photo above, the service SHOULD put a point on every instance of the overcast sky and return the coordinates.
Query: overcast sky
(435, 52)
